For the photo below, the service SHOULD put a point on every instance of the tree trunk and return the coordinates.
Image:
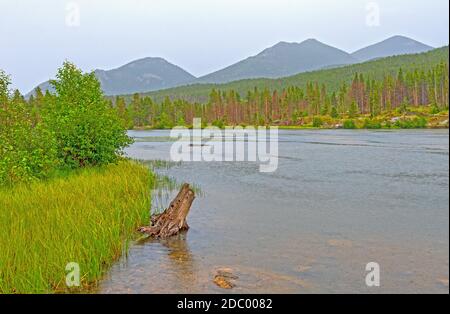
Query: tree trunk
(173, 219)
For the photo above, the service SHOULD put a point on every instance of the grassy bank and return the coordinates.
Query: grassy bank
(86, 217)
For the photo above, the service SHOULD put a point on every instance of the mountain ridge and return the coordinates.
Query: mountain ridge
(283, 59)
(140, 75)
(332, 77)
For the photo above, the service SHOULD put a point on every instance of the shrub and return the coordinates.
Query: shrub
(334, 112)
(371, 124)
(415, 123)
(349, 124)
(219, 123)
(317, 122)
(434, 109)
(88, 131)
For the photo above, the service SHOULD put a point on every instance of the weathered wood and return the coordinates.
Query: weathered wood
(173, 219)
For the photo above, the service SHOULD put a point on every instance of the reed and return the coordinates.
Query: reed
(87, 217)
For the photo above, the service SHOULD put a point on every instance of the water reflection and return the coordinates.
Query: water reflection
(180, 267)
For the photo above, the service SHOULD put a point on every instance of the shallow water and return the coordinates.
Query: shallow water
(339, 200)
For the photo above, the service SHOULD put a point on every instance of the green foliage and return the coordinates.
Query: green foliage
(414, 123)
(317, 122)
(349, 124)
(334, 112)
(372, 124)
(435, 109)
(87, 130)
(5, 81)
(353, 111)
(77, 127)
(219, 123)
(27, 148)
(163, 121)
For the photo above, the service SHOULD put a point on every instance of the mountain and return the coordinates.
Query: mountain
(331, 77)
(142, 75)
(280, 61)
(393, 46)
(283, 59)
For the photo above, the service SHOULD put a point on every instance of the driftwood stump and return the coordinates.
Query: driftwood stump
(173, 219)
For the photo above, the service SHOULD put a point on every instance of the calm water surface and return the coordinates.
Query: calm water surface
(339, 200)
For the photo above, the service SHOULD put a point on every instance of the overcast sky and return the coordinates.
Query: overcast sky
(201, 36)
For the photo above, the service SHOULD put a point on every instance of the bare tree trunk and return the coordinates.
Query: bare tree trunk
(173, 219)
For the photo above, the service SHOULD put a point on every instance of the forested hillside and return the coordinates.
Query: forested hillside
(406, 99)
(332, 78)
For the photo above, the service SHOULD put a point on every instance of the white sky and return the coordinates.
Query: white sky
(201, 36)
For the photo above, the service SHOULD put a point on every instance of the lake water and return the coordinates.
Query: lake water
(339, 200)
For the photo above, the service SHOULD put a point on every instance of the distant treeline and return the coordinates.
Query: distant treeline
(364, 96)
(331, 77)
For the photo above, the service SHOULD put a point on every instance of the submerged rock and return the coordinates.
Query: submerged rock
(224, 278)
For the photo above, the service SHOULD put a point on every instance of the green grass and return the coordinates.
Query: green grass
(87, 217)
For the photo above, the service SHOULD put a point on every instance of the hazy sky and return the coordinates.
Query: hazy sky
(201, 36)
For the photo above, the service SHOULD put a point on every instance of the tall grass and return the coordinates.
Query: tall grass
(87, 218)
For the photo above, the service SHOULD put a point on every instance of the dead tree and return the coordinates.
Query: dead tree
(173, 219)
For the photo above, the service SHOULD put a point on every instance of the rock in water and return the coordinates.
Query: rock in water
(224, 278)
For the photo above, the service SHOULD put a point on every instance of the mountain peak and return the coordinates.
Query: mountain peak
(311, 41)
(395, 45)
(282, 59)
(141, 75)
(308, 41)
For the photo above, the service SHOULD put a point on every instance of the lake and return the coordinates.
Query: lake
(338, 200)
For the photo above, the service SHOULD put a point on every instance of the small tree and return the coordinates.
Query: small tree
(88, 131)
(353, 111)
(334, 112)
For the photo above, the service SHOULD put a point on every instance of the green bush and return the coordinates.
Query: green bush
(317, 122)
(334, 112)
(349, 124)
(415, 123)
(435, 109)
(371, 124)
(87, 130)
(219, 123)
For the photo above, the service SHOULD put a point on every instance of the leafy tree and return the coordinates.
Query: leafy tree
(87, 130)
(27, 148)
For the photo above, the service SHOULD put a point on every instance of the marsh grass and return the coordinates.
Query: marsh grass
(87, 217)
